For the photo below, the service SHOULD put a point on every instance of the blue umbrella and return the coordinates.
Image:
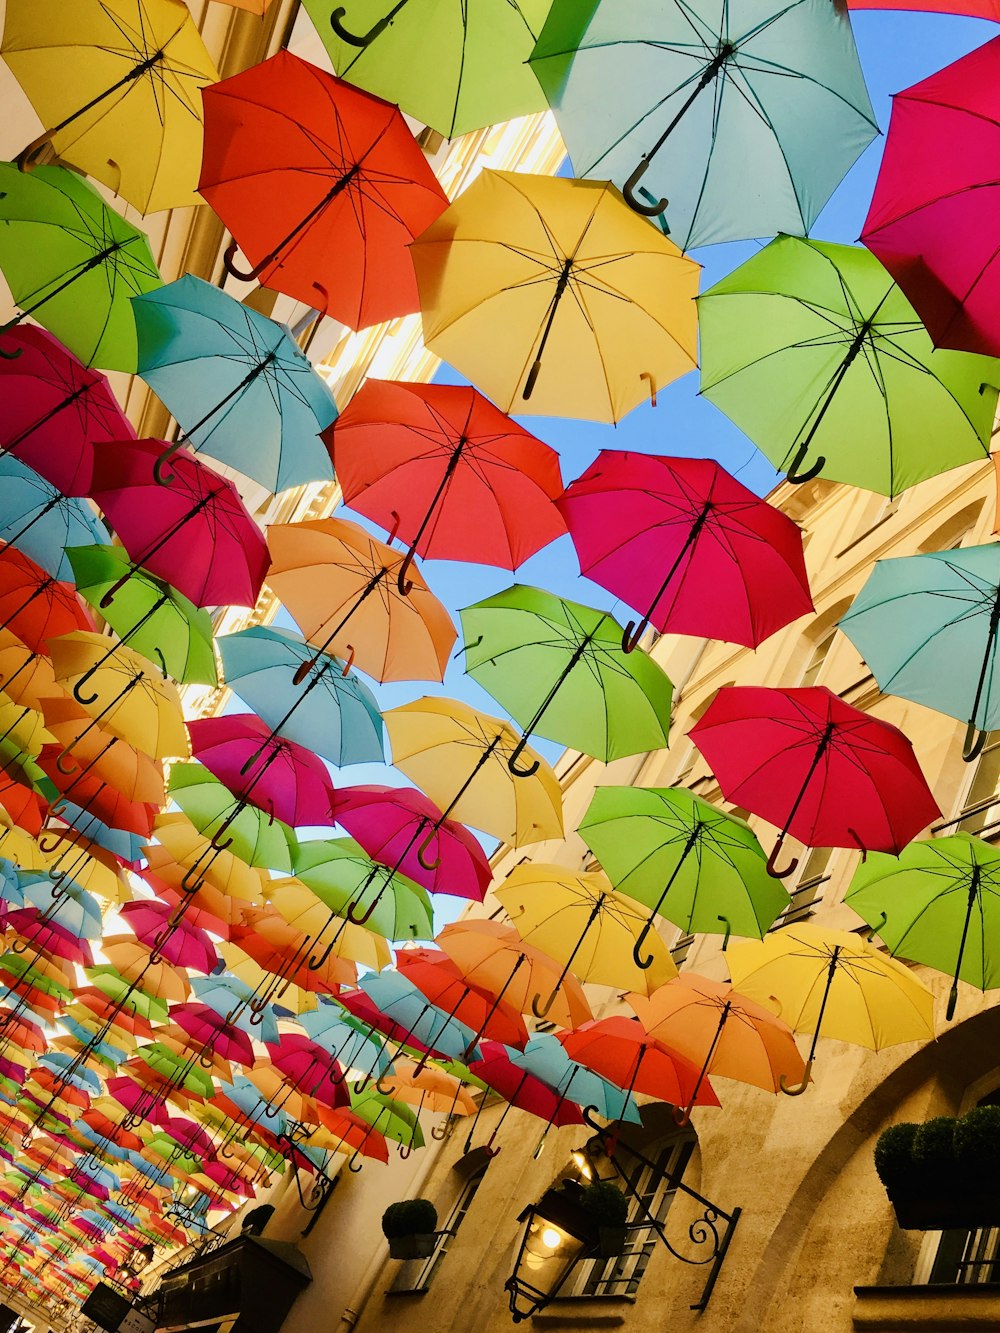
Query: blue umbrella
(237, 383)
(331, 713)
(126, 846)
(405, 1004)
(10, 887)
(351, 1045)
(40, 521)
(546, 1058)
(71, 908)
(103, 1050)
(235, 1002)
(68, 1071)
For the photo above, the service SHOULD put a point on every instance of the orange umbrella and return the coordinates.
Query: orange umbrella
(179, 847)
(26, 676)
(340, 586)
(277, 947)
(132, 960)
(100, 758)
(429, 1089)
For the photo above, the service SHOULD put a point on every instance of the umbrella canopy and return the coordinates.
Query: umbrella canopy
(551, 291)
(816, 768)
(195, 533)
(621, 1051)
(53, 409)
(73, 263)
(405, 1004)
(930, 216)
(237, 382)
(230, 821)
(360, 890)
(40, 521)
(835, 982)
(304, 909)
(559, 668)
(461, 759)
(340, 586)
(937, 903)
(444, 983)
(447, 472)
(546, 1059)
(330, 710)
(986, 9)
(684, 543)
(816, 354)
(34, 605)
(927, 626)
(116, 85)
(746, 118)
(322, 186)
(579, 920)
(188, 946)
(478, 56)
(684, 859)
(522, 1089)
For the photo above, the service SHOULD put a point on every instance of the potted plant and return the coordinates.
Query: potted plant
(943, 1174)
(607, 1209)
(410, 1227)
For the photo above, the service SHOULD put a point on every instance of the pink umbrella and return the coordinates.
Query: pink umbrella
(187, 945)
(683, 542)
(519, 1088)
(49, 936)
(211, 1031)
(274, 774)
(195, 533)
(390, 823)
(932, 220)
(309, 1069)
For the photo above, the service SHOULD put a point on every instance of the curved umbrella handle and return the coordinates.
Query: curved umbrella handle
(648, 961)
(27, 158)
(772, 868)
(631, 635)
(364, 39)
(799, 1088)
(352, 1168)
(159, 476)
(61, 758)
(186, 886)
(541, 1012)
(363, 1081)
(423, 850)
(78, 685)
(792, 472)
(877, 927)
(404, 1151)
(115, 588)
(645, 375)
(6, 328)
(727, 931)
(652, 210)
(518, 750)
(974, 742)
(234, 272)
(357, 920)
(214, 840)
(681, 1116)
(386, 1092)
(439, 1132)
(314, 964)
(404, 584)
(20, 945)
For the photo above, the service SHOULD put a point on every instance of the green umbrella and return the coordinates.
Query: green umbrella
(177, 1070)
(396, 1120)
(345, 879)
(126, 994)
(683, 859)
(73, 263)
(558, 668)
(814, 352)
(937, 903)
(256, 838)
(456, 67)
(16, 965)
(147, 614)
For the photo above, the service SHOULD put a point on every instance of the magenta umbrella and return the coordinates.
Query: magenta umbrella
(277, 775)
(390, 823)
(179, 943)
(308, 1069)
(212, 1032)
(689, 547)
(933, 216)
(519, 1088)
(195, 533)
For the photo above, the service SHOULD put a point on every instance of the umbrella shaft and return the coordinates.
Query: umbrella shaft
(136, 72)
(690, 541)
(481, 763)
(233, 393)
(95, 261)
(41, 587)
(564, 675)
(710, 73)
(831, 972)
(973, 895)
(991, 639)
(711, 1053)
(338, 186)
(821, 748)
(171, 532)
(47, 508)
(449, 472)
(365, 593)
(49, 415)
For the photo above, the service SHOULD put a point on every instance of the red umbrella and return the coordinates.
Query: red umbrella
(519, 1088)
(683, 542)
(276, 775)
(445, 986)
(447, 472)
(322, 186)
(53, 409)
(816, 768)
(620, 1050)
(187, 944)
(195, 533)
(309, 1069)
(391, 823)
(932, 220)
(22, 806)
(33, 605)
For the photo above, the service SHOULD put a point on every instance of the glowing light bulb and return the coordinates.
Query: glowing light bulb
(551, 1238)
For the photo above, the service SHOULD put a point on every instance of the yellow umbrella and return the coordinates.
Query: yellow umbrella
(117, 86)
(182, 857)
(834, 981)
(22, 727)
(299, 906)
(579, 920)
(124, 692)
(552, 290)
(78, 858)
(459, 757)
(26, 677)
(17, 846)
(428, 1089)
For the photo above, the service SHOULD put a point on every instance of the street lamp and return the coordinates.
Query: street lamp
(137, 1259)
(556, 1236)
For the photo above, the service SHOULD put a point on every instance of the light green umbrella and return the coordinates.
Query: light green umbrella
(394, 1119)
(937, 903)
(147, 614)
(685, 860)
(559, 669)
(345, 879)
(257, 839)
(814, 352)
(455, 66)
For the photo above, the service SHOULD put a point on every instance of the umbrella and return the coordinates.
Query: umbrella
(835, 981)
(195, 534)
(255, 836)
(332, 712)
(53, 409)
(683, 541)
(191, 863)
(559, 668)
(116, 84)
(545, 1058)
(322, 186)
(816, 768)
(684, 859)
(444, 983)
(551, 290)
(518, 1087)
(478, 57)
(72, 263)
(340, 586)
(40, 521)
(927, 626)
(34, 605)
(238, 384)
(930, 219)
(579, 920)
(110, 768)
(936, 904)
(302, 908)
(816, 354)
(447, 472)
(762, 108)
(149, 615)
(351, 1043)
(621, 1051)
(405, 1005)
(461, 759)
(353, 886)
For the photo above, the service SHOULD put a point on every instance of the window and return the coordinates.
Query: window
(680, 949)
(878, 511)
(417, 1274)
(967, 1258)
(808, 890)
(952, 534)
(981, 810)
(818, 655)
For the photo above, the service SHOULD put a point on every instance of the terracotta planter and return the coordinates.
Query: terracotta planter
(412, 1247)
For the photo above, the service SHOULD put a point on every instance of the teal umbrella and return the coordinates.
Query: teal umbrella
(684, 859)
(559, 669)
(42, 522)
(744, 116)
(927, 625)
(238, 384)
